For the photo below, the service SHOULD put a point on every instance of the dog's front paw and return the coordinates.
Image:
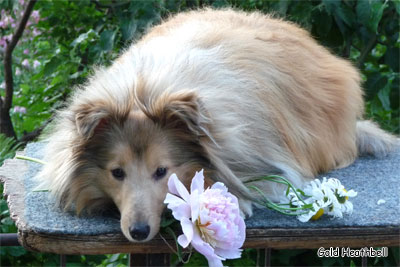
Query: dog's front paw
(246, 208)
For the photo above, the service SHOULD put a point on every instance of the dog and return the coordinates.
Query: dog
(237, 94)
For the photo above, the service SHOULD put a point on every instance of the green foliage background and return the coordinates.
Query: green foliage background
(77, 35)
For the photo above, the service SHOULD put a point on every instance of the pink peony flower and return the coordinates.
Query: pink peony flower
(210, 218)
(26, 51)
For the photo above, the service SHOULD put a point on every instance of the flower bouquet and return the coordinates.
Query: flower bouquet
(210, 218)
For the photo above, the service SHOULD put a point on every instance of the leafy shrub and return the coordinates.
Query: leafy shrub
(8, 147)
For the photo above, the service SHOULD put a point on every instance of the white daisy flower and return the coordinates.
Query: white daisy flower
(340, 203)
(320, 191)
(315, 213)
(292, 199)
(318, 197)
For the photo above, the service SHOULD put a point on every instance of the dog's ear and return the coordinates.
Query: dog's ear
(180, 110)
(90, 119)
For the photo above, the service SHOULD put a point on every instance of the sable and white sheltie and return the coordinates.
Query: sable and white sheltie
(237, 94)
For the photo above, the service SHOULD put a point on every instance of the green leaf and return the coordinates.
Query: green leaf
(374, 83)
(51, 66)
(220, 3)
(113, 258)
(331, 6)
(8, 147)
(84, 36)
(281, 7)
(322, 22)
(369, 13)
(16, 251)
(3, 207)
(346, 14)
(363, 10)
(377, 8)
(301, 13)
(7, 221)
(128, 28)
(107, 40)
(25, 88)
(396, 5)
(384, 96)
(392, 56)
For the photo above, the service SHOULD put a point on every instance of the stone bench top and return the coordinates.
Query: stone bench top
(43, 227)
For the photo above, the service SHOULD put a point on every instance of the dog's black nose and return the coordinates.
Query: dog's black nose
(139, 231)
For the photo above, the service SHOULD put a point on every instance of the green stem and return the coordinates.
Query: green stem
(30, 159)
(272, 205)
(178, 248)
(285, 181)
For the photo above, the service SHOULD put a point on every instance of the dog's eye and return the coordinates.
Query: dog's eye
(160, 173)
(118, 173)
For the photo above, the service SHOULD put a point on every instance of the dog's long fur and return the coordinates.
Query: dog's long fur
(240, 95)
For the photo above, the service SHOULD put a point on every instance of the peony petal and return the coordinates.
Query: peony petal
(183, 241)
(214, 262)
(172, 199)
(187, 229)
(242, 231)
(180, 209)
(202, 246)
(177, 188)
(195, 205)
(198, 182)
(171, 184)
(232, 253)
(220, 186)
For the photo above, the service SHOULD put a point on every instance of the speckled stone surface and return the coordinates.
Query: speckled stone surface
(372, 178)
(42, 216)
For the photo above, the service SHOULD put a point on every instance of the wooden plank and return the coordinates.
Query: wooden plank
(103, 244)
(296, 242)
(100, 244)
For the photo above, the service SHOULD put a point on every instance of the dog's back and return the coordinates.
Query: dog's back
(278, 100)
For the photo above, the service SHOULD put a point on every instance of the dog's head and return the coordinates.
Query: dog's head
(126, 156)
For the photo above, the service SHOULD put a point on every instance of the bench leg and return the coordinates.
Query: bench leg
(149, 259)
(268, 257)
(63, 260)
(364, 262)
(263, 257)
